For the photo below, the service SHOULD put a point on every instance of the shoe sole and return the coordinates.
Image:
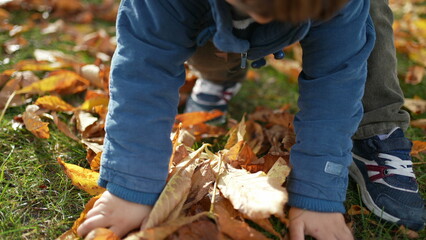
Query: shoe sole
(356, 174)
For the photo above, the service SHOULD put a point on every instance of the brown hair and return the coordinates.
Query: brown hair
(293, 10)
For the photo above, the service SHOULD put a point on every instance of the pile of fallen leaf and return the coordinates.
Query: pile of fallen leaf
(209, 194)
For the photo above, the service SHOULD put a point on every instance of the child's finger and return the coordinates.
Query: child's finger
(120, 230)
(297, 231)
(92, 223)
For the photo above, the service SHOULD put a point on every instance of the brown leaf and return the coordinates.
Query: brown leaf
(161, 232)
(194, 118)
(83, 178)
(410, 234)
(234, 228)
(53, 103)
(63, 127)
(101, 234)
(34, 124)
(358, 210)
(62, 82)
(420, 123)
(202, 180)
(255, 136)
(171, 200)
(69, 235)
(414, 75)
(203, 228)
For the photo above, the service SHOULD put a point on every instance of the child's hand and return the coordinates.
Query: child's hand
(117, 214)
(319, 225)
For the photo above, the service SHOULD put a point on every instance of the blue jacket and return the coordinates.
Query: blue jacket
(156, 37)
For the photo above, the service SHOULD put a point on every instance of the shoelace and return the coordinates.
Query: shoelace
(399, 166)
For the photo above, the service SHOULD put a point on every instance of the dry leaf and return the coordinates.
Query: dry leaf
(254, 194)
(101, 234)
(194, 118)
(358, 210)
(240, 154)
(410, 234)
(54, 103)
(83, 178)
(62, 82)
(68, 235)
(203, 228)
(63, 127)
(279, 171)
(234, 228)
(416, 106)
(161, 232)
(33, 65)
(84, 120)
(202, 180)
(34, 124)
(418, 147)
(170, 202)
(91, 103)
(414, 75)
(420, 123)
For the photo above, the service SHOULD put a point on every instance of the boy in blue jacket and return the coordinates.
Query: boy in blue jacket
(156, 37)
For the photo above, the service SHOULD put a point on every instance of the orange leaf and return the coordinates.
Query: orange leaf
(358, 210)
(82, 178)
(54, 103)
(193, 118)
(102, 234)
(62, 82)
(83, 214)
(240, 154)
(418, 147)
(34, 124)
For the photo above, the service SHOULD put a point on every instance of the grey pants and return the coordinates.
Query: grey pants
(383, 96)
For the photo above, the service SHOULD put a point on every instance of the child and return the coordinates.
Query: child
(156, 37)
(393, 197)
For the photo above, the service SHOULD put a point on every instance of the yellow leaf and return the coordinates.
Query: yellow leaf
(91, 103)
(54, 103)
(62, 82)
(32, 65)
(34, 124)
(82, 178)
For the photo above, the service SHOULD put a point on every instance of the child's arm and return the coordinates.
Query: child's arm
(154, 39)
(331, 85)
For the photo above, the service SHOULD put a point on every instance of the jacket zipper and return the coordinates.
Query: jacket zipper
(243, 60)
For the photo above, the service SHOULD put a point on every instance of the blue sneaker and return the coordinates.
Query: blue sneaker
(382, 168)
(207, 96)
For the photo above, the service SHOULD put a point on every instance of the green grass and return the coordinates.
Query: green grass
(38, 201)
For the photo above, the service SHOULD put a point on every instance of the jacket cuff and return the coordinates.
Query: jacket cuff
(313, 204)
(130, 195)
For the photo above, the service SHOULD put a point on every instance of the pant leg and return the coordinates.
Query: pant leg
(216, 66)
(383, 97)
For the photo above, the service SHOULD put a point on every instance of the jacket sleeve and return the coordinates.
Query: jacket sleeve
(331, 86)
(154, 40)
